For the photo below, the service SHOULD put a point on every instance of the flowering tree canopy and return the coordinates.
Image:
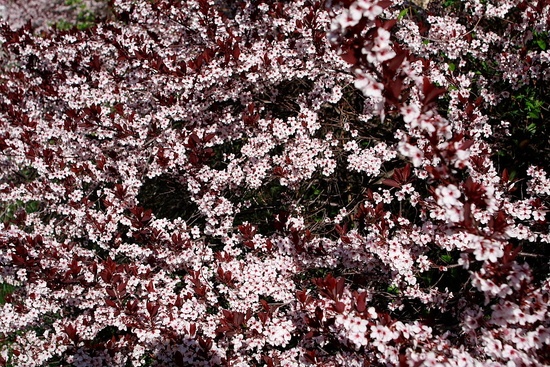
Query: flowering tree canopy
(274, 183)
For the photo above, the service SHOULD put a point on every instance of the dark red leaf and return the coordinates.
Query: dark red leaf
(349, 57)
(178, 359)
(319, 313)
(361, 301)
(339, 307)
(206, 345)
(466, 144)
(110, 303)
(505, 176)
(111, 292)
(152, 308)
(132, 306)
(310, 356)
(236, 52)
(391, 183)
(268, 361)
(179, 301)
(18, 260)
(208, 137)
(385, 3)
(70, 330)
(121, 289)
(431, 92)
(388, 24)
(192, 329)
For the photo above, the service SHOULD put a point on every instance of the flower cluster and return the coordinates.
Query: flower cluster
(242, 183)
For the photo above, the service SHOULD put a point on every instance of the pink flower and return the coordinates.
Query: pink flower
(410, 112)
(368, 85)
(447, 196)
(488, 250)
(365, 8)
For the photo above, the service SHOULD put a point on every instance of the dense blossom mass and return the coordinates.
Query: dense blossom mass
(274, 183)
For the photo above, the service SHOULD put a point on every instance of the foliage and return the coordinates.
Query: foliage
(276, 183)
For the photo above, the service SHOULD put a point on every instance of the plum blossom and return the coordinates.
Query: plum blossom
(447, 199)
(287, 183)
(368, 85)
(412, 152)
(381, 50)
(365, 8)
(447, 196)
(410, 112)
(488, 250)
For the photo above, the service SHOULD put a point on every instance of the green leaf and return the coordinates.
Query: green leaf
(32, 206)
(392, 289)
(5, 290)
(541, 44)
(533, 115)
(402, 14)
(446, 258)
(448, 3)
(452, 67)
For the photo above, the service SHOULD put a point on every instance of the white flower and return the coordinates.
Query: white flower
(447, 196)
